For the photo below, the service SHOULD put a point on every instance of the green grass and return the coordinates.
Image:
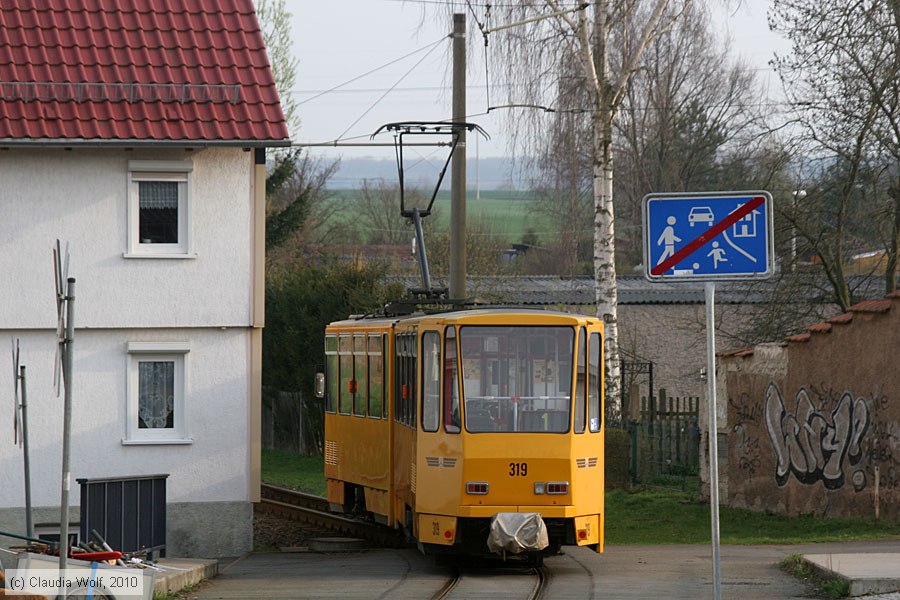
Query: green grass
(832, 587)
(506, 214)
(671, 517)
(305, 473)
(648, 516)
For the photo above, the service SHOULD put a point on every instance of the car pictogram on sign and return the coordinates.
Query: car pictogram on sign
(701, 214)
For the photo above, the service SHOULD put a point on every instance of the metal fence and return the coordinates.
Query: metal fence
(665, 442)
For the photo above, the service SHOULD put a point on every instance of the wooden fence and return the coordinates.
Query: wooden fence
(665, 442)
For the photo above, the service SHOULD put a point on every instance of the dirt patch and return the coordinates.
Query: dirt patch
(271, 532)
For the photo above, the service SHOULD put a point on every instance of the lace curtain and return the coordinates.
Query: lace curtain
(158, 203)
(156, 395)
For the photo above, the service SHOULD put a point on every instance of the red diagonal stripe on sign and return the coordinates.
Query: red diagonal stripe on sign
(712, 232)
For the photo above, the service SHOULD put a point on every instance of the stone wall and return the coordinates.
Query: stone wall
(814, 425)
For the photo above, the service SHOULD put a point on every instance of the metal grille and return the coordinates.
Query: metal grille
(331, 453)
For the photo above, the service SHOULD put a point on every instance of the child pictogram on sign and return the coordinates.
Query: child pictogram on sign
(718, 255)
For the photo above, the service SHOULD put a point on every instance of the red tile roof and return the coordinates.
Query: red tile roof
(876, 306)
(842, 318)
(166, 71)
(819, 328)
(739, 352)
(799, 338)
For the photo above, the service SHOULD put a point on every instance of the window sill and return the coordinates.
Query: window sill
(158, 255)
(158, 442)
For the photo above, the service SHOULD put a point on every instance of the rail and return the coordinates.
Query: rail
(508, 579)
(307, 508)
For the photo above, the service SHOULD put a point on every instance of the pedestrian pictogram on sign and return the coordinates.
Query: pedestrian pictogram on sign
(700, 237)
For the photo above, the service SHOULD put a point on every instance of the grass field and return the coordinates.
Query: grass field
(647, 516)
(505, 214)
(304, 473)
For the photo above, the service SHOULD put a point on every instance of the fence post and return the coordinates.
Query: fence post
(632, 430)
(679, 430)
(661, 410)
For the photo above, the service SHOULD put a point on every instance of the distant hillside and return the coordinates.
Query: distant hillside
(492, 173)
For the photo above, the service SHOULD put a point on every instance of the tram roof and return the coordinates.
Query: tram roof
(475, 314)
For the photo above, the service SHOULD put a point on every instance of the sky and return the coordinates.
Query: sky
(401, 59)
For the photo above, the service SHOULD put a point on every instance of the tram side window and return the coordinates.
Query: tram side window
(431, 380)
(581, 381)
(400, 380)
(360, 378)
(331, 372)
(376, 376)
(405, 398)
(347, 384)
(595, 384)
(452, 420)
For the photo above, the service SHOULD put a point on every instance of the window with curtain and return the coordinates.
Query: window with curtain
(159, 209)
(156, 394)
(158, 212)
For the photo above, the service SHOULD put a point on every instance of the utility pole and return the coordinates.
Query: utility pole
(67, 349)
(29, 523)
(458, 166)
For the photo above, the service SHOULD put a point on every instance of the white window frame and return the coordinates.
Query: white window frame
(138, 352)
(178, 171)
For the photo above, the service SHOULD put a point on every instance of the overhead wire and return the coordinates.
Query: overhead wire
(389, 90)
(429, 47)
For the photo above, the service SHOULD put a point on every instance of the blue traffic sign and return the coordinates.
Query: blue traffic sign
(708, 237)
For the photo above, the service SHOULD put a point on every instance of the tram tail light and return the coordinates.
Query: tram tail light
(551, 487)
(558, 487)
(478, 488)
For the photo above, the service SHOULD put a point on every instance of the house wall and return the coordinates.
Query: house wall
(813, 431)
(205, 301)
(80, 197)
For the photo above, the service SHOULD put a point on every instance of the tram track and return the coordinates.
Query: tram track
(468, 583)
(313, 510)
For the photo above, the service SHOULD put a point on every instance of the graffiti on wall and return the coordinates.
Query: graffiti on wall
(747, 415)
(815, 440)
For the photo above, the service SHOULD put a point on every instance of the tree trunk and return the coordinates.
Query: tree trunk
(605, 286)
(890, 271)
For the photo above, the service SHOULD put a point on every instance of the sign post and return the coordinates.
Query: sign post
(722, 236)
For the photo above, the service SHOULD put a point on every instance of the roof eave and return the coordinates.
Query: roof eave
(94, 143)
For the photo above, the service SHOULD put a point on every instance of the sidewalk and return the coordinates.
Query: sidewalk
(621, 573)
(867, 573)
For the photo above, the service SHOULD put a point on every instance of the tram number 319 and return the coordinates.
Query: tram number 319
(518, 469)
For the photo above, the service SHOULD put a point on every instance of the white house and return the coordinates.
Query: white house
(136, 132)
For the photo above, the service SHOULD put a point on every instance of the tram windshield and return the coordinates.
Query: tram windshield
(517, 379)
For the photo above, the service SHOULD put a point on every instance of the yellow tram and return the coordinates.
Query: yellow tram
(476, 431)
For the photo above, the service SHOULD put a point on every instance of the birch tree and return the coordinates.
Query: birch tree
(275, 24)
(601, 45)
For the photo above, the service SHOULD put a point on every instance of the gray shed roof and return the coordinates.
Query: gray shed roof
(554, 290)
